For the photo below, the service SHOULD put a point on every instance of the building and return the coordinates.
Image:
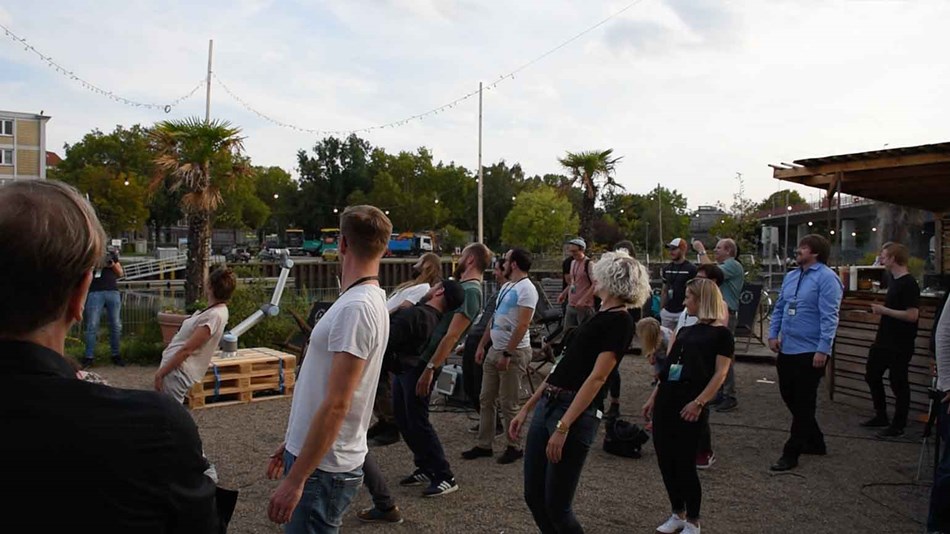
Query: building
(22, 146)
(702, 220)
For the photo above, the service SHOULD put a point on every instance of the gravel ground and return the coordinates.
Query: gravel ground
(825, 494)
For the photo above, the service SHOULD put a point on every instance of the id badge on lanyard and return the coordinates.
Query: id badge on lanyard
(676, 370)
(792, 308)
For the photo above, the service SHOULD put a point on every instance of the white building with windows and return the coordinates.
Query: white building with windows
(22, 146)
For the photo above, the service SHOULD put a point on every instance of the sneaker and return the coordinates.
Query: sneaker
(704, 460)
(876, 421)
(118, 361)
(375, 515)
(438, 489)
(727, 405)
(690, 528)
(785, 463)
(613, 412)
(511, 455)
(674, 524)
(417, 478)
(477, 452)
(87, 363)
(891, 432)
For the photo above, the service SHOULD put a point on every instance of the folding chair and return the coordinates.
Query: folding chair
(748, 306)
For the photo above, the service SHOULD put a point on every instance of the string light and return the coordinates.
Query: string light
(434, 111)
(92, 87)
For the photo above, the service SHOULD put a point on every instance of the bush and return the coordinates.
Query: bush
(248, 298)
(143, 349)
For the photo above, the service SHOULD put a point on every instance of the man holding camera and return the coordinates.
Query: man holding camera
(104, 293)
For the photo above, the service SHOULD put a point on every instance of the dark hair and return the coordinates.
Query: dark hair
(222, 282)
(454, 294)
(818, 245)
(521, 258)
(712, 272)
(50, 240)
(627, 245)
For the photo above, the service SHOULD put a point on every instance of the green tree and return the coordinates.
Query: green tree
(781, 199)
(241, 205)
(336, 168)
(539, 220)
(638, 216)
(198, 158)
(453, 238)
(277, 190)
(593, 171)
(118, 199)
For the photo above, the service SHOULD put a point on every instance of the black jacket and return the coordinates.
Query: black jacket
(78, 456)
(409, 332)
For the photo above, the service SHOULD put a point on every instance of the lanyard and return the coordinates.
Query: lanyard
(358, 282)
(574, 269)
(799, 285)
(612, 308)
(504, 293)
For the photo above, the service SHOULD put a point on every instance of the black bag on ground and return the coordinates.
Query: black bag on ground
(624, 438)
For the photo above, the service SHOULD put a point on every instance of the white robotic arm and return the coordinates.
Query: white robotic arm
(229, 341)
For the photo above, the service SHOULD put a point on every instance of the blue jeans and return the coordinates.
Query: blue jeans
(112, 302)
(939, 517)
(326, 497)
(549, 488)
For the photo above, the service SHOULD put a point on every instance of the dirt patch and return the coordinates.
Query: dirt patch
(825, 494)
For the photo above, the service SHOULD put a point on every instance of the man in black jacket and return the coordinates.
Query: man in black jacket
(409, 332)
(78, 456)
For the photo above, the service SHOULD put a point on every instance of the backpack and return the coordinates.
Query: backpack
(624, 438)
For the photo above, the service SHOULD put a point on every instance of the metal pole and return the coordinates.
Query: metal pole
(659, 216)
(208, 84)
(787, 209)
(646, 240)
(481, 174)
(838, 218)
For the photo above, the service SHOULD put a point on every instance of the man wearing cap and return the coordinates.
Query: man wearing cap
(580, 292)
(675, 275)
(725, 255)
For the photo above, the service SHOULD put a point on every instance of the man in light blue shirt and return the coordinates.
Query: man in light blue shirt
(802, 333)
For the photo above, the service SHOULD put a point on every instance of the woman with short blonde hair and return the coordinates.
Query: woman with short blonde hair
(694, 370)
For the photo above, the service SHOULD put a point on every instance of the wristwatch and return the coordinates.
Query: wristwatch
(430, 366)
(561, 427)
(700, 403)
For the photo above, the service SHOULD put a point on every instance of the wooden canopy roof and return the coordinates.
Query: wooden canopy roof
(917, 177)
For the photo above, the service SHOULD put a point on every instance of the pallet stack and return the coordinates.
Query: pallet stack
(252, 375)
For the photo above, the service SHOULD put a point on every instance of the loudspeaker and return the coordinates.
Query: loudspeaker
(449, 384)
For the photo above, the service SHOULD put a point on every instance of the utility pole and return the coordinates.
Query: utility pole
(208, 84)
(659, 217)
(481, 174)
(788, 210)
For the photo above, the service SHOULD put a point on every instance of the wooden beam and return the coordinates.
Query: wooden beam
(865, 164)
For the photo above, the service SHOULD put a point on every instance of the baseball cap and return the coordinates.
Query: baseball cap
(579, 242)
(676, 243)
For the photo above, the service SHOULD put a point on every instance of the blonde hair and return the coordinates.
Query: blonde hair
(650, 335)
(623, 277)
(710, 299)
(367, 230)
(431, 272)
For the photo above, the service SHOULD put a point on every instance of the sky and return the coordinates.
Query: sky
(688, 92)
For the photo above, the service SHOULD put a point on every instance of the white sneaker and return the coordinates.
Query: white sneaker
(673, 525)
(690, 529)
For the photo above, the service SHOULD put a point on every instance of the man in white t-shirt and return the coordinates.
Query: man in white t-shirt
(325, 445)
(506, 360)
(185, 360)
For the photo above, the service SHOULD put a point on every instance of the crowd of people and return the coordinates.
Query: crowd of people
(140, 461)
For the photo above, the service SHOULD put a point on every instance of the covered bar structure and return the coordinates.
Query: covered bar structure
(911, 177)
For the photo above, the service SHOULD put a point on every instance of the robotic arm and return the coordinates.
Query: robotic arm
(229, 341)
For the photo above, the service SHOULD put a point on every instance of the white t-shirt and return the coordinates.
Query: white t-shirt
(511, 298)
(356, 323)
(685, 320)
(412, 293)
(195, 366)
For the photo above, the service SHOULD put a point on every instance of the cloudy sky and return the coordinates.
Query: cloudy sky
(689, 92)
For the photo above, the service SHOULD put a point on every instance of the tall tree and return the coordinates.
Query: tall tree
(593, 171)
(539, 220)
(198, 158)
(336, 168)
(781, 199)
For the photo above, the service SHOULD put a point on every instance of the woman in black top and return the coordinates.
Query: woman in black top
(694, 370)
(569, 403)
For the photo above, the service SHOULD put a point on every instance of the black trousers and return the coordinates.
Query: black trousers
(613, 383)
(375, 482)
(881, 359)
(472, 372)
(798, 382)
(705, 433)
(676, 442)
(412, 416)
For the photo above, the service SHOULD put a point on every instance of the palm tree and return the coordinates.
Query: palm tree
(197, 157)
(594, 170)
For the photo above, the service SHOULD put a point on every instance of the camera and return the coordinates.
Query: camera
(110, 258)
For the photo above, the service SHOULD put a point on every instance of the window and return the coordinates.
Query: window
(6, 127)
(6, 157)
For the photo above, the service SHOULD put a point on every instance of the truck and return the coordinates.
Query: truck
(409, 244)
(293, 240)
(325, 246)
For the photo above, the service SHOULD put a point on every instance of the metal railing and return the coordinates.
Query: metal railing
(144, 269)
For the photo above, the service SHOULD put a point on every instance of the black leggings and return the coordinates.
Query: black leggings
(676, 442)
(613, 382)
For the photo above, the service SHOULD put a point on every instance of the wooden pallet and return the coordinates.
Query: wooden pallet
(254, 374)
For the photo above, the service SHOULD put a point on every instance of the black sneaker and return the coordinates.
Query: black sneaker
(87, 363)
(440, 488)
(727, 405)
(477, 452)
(785, 464)
(613, 412)
(417, 478)
(511, 455)
(876, 421)
(891, 432)
(118, 361)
